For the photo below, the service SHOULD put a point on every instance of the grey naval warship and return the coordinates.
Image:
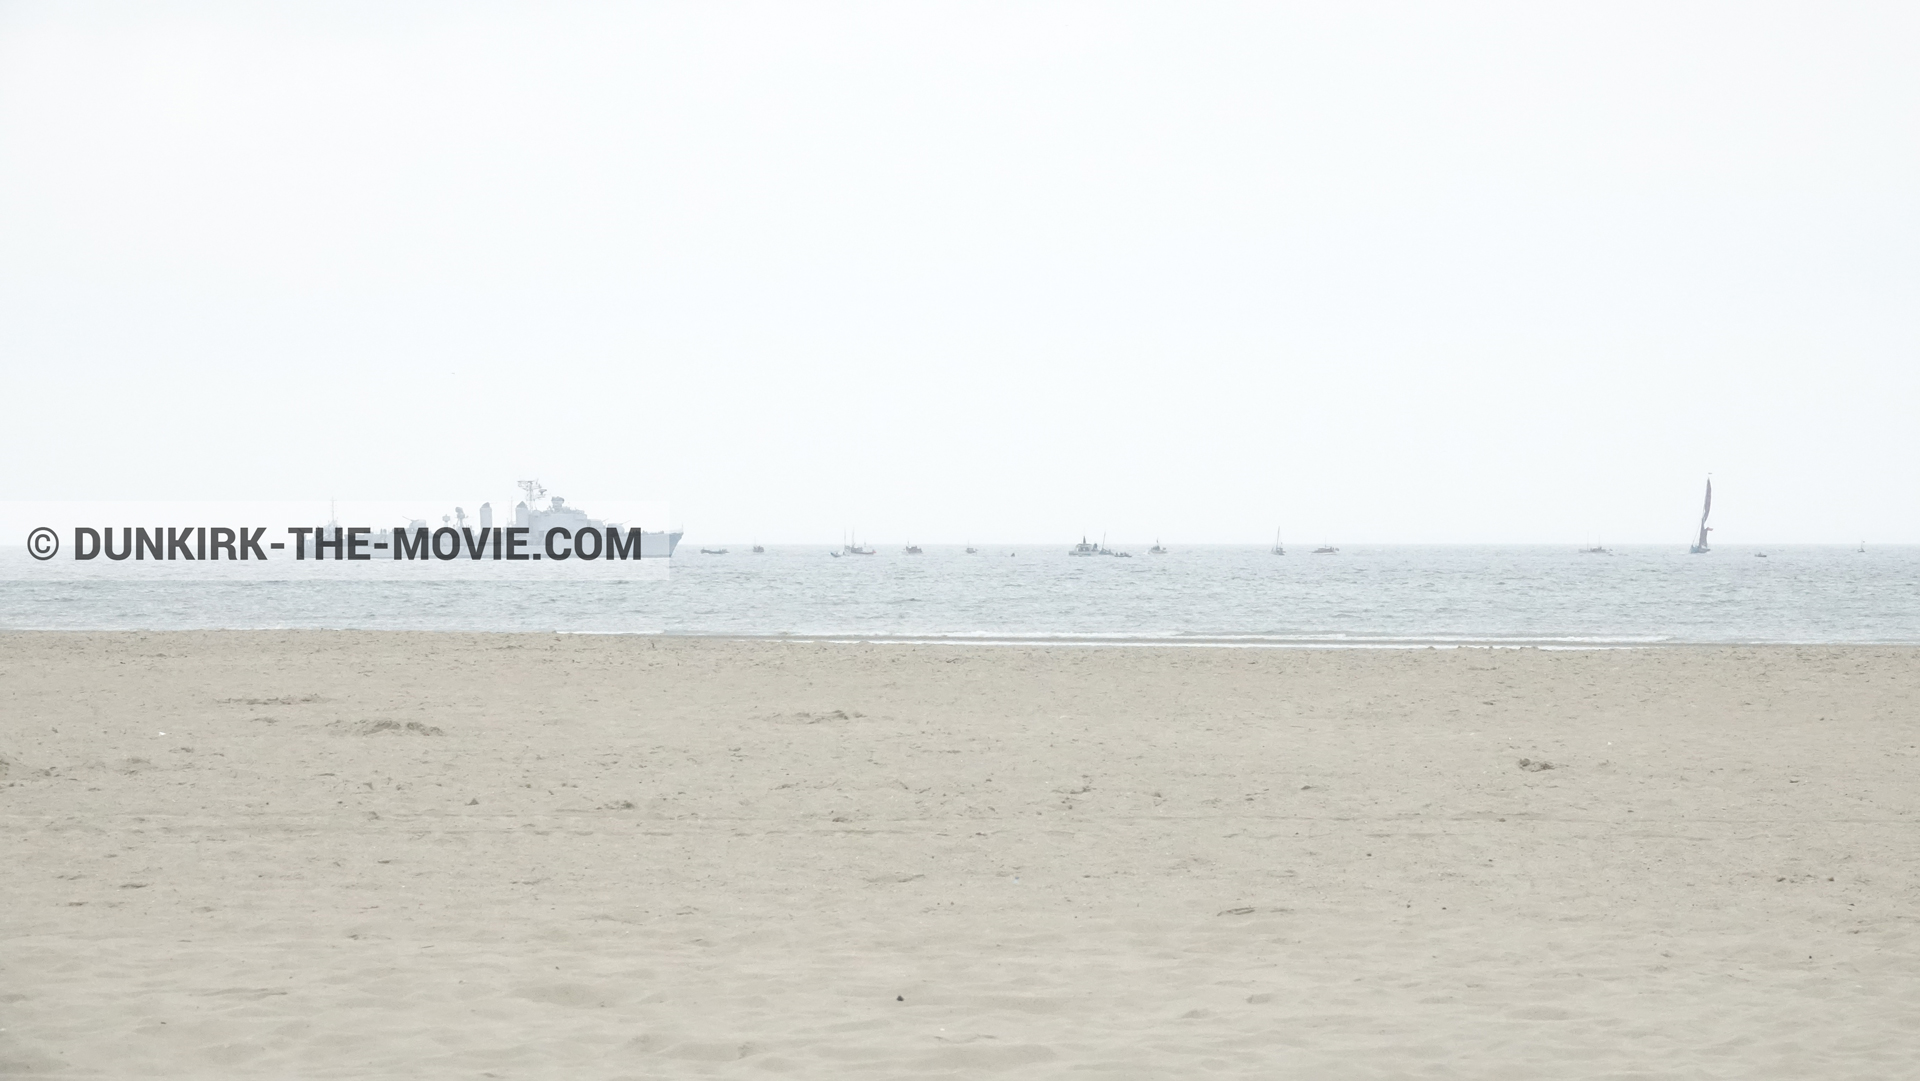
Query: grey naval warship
(537, 520)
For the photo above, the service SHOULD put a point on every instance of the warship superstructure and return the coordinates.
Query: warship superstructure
(538, 519)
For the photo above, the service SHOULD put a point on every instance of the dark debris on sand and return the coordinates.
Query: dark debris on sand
(374, 728)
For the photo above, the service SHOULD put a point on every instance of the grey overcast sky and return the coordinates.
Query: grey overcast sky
(1371, 272)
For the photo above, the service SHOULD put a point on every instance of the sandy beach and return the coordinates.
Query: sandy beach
(371, 855)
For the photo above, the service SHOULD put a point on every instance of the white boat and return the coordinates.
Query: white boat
(913, 550)
(1278, 548)
(1083, 548)
(1156, 550)
(852, 548)
(1700, 545)
(1326, 550)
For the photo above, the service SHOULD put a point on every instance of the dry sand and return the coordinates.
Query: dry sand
(366, 855)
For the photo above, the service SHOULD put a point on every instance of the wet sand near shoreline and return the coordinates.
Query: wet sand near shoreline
(367, 854)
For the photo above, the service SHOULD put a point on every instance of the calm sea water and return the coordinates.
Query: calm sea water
(1361, 596)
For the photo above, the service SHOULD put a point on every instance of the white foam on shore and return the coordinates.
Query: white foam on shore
(1181, 642)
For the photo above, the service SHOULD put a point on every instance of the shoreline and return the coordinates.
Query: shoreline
(1234, 641)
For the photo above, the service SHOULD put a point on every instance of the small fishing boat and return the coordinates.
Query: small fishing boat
(759, 551)
(1700, 545)
(1083, 548)
(1278, 548)
(913, 550)
(713, 551)
(1326, 550)
(1156, 550)
(852, 548)
(972, 551)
